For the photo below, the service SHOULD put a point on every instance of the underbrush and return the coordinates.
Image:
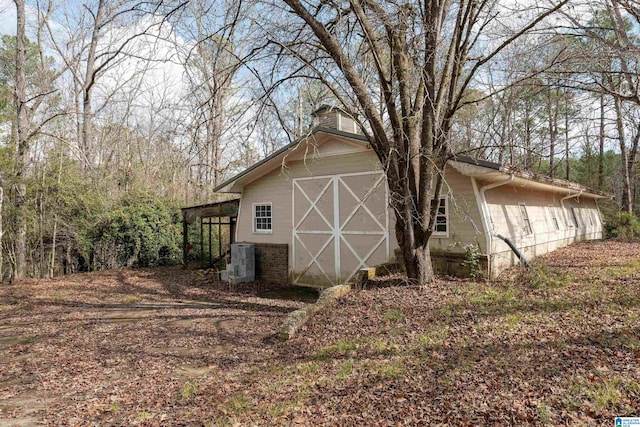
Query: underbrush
(624, 226)
(540, 276)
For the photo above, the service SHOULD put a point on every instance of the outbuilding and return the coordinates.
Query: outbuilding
(318, 210)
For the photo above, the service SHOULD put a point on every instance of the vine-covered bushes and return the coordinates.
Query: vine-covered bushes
(142, 231)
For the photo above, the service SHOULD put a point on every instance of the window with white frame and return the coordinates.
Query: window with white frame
(442, 219)
(554, 218)
(574, 217)
(262, 218)
(524, 215)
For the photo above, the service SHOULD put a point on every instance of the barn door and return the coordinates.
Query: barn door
(340, 224)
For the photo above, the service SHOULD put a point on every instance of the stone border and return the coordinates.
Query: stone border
(297, 318)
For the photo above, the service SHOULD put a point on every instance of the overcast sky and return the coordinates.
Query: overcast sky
(7, 17)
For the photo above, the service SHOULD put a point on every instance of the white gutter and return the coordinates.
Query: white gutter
(484, 210)
(564, 210)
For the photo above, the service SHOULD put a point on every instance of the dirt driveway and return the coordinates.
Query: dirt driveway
(112, 348)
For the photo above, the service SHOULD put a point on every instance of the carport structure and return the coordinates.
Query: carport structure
(212, 218)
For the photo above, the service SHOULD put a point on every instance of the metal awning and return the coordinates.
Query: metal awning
(227, 208)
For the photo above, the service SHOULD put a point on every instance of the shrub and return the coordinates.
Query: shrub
(142, 232)
(624, 226)
(472, 261)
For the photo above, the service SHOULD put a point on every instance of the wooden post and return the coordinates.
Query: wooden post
(210, 250)
(201, 242)
(1, 235)
(185, 240)
(232, 230)
(219, 237)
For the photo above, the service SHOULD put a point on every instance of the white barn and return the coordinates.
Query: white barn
(323, 202)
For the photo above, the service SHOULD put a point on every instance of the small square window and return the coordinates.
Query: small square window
(262, 218)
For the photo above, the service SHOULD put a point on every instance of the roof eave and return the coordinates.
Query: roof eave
(489, 170)
(231, 185)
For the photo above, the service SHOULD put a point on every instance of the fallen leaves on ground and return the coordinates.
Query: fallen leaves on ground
(556, 346)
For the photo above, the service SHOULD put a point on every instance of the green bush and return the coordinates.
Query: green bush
(472, 257)
(142, 231)
(624, 226)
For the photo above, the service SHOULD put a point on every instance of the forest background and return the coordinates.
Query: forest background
(115, 113)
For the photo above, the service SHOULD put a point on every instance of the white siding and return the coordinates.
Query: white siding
(277, 187)
(465, 221)
(505, 216)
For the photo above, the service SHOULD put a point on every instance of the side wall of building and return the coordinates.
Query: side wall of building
(550, 224)
(464, 220)
(465, 225)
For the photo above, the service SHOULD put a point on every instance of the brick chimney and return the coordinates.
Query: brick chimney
(335, 118)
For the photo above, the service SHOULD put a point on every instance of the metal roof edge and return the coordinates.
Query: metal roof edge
(477, 162)
(560, 183)
(211, 204)
(531, 176)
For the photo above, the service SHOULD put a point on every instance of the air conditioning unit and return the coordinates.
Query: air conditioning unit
(242, 268)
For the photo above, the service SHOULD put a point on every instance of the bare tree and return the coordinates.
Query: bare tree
(210, 67)
(404, 71)
(22, 142)
(98, 40)
(35, 106)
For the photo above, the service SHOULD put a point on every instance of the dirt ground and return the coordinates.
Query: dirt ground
(556, 346)
(116, 348)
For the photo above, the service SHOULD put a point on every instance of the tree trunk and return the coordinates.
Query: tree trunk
(423, 264)
(527, 138)
(52, 260)
(20, 188)
(52, 263)
(66, 263)
(87, 89)
(631, 167)
(626, 202)
(553, 130)
(1, 235)
(42, 263)
(416, 258)
(601, 147)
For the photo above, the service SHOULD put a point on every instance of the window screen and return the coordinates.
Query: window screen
(574, 217)
(554, 218)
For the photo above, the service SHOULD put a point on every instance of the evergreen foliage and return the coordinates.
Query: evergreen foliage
(625, 226)
(141, 231)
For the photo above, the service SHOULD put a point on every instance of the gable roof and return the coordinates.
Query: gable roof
(276, 158)
(466, 165)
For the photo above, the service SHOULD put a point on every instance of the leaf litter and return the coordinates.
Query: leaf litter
(556, 346)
